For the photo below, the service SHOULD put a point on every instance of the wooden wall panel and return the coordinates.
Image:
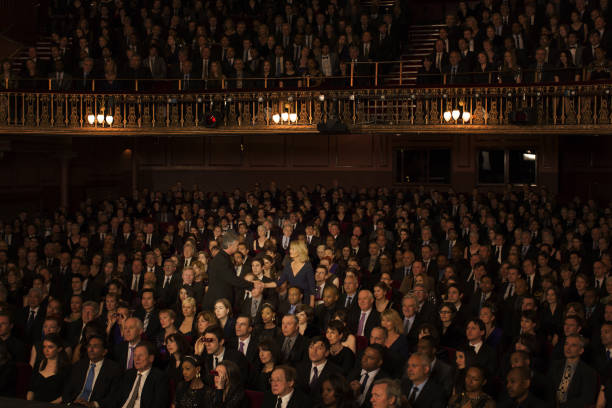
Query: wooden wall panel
(153, 151)
(186, 151)
(265, 150)
(225, 150)
(310, 150)
(354, 150)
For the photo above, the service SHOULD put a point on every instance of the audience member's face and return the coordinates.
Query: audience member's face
(142, 359)
(95, 350)
(317, 352)
(279, 384)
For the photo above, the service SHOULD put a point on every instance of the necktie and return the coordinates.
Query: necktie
(412, 397)
(135, 397)
(31, 319)
(407, 325)
(286, 348)
(131, 359)
(88, 383)
(166, 281)
(216, 362)
(279, 402)
(361, 324)
(315, 376)
(147, 319)
(364, 382)
(135, 283)
(241, 348)
(347, 304)
(186, 262)
(564, 384)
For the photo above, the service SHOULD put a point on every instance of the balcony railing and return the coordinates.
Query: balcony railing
(580, 107)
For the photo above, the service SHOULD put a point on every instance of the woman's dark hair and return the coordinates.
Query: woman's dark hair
(183, 346)
(233, 374)
(451, 306)
(342, 392)
(340, 327)
(382, 285)
(302, 307)
(268, 344)
(340, 314)
(62, 357)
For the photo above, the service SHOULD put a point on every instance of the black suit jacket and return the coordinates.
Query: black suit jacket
(443, 374)
(486, 358)
(33, 333)
(230, 354)
(355, 374)
(154, 326)
(167, 296)
(154, 392)
(582, 389)
(221, 280)
(352, 306)
(372, 321)
(106, 382)
(431, 396)
(299, 351)
(298, 400)
(314, 388)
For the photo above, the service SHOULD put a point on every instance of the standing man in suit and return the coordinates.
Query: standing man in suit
(283, 393)
(93, 380)
(144, 385)
(363, 320)
(135, 278)
(221, 276)
(361, 380)
(421, 391)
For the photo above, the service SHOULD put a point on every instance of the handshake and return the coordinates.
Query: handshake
(259, 285)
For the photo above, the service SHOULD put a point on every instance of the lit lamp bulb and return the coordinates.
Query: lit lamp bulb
(466, 116)
(456, 114)
(276, 118)
(293, 117)
(91, 118)
(109, 120)
(447, 116)
(100, 118)
(285, 116)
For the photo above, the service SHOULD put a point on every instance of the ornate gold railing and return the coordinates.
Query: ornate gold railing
(577, 107)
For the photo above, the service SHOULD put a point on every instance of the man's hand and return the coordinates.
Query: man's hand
(259, 285)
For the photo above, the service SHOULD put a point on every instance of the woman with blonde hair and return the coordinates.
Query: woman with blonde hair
(187, 325)
(396, 341)
(298, 272)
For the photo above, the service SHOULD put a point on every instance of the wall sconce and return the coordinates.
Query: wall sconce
(100, 118)
(457, 113)
(285, 116)
(293, 117)
(276, 118)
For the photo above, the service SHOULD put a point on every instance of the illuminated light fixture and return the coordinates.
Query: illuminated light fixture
(321, 97)
(293, 117)
(109, 120)
(456, 114)
(447, 116)
(529, 156)
(466, 116)
(91, 118)
(100, 118)
(285, 116)
(276, 118)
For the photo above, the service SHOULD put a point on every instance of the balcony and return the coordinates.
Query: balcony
(547, 108)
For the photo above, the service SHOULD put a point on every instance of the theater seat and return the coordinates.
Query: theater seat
(362, 343)
(255, 398)
(24, 371)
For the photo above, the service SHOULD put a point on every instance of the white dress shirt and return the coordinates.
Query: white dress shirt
(143, 379)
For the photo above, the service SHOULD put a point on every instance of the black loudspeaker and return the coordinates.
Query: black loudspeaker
(523, 117)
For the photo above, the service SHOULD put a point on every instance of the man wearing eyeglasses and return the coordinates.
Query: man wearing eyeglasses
(283, 393)
(216, 352)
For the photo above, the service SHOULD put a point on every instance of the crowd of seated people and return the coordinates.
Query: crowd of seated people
(513, 42)
(337, 298)
(212, 45)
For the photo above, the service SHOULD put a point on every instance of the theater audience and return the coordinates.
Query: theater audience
(520, 301)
